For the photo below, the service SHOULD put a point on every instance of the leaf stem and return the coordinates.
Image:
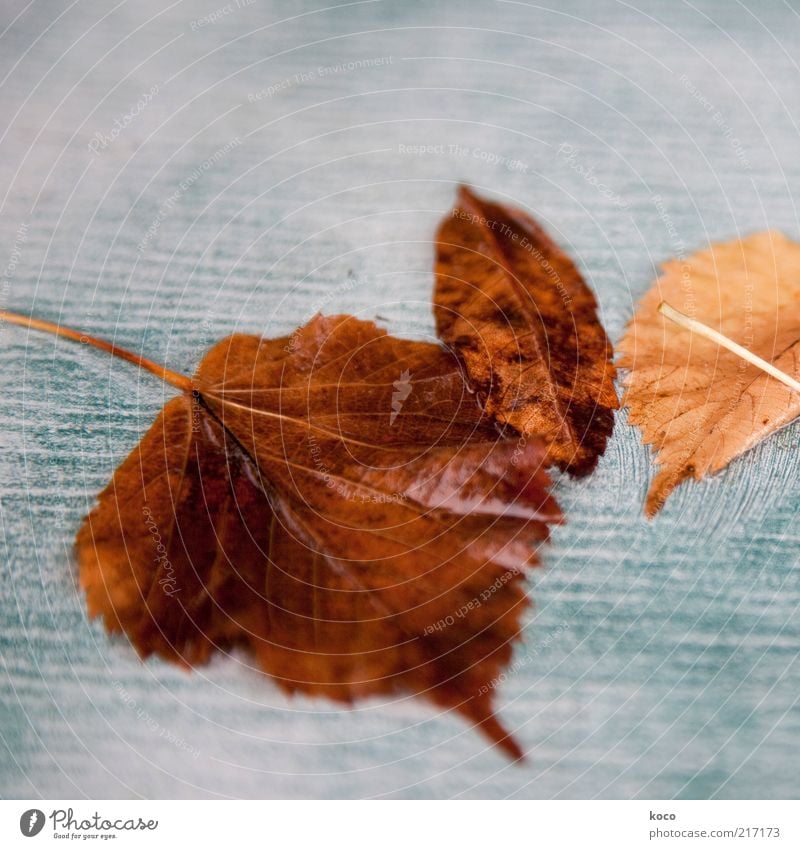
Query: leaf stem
(701, 329)
(179, 381)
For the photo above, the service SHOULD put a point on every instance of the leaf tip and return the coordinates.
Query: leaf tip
(502, 739)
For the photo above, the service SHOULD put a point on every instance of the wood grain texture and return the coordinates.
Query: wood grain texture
(661, 658)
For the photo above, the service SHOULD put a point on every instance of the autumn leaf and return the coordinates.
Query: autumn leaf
(336, 503)
(698, 404)
(515, 308)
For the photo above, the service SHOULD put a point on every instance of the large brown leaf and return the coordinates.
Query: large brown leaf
(337, 503)
(515, 308)
(698, 404)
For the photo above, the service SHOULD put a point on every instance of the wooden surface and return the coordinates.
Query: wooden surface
(263, 178)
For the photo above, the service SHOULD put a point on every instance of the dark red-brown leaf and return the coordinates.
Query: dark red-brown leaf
(336, 502)
(516, 310)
